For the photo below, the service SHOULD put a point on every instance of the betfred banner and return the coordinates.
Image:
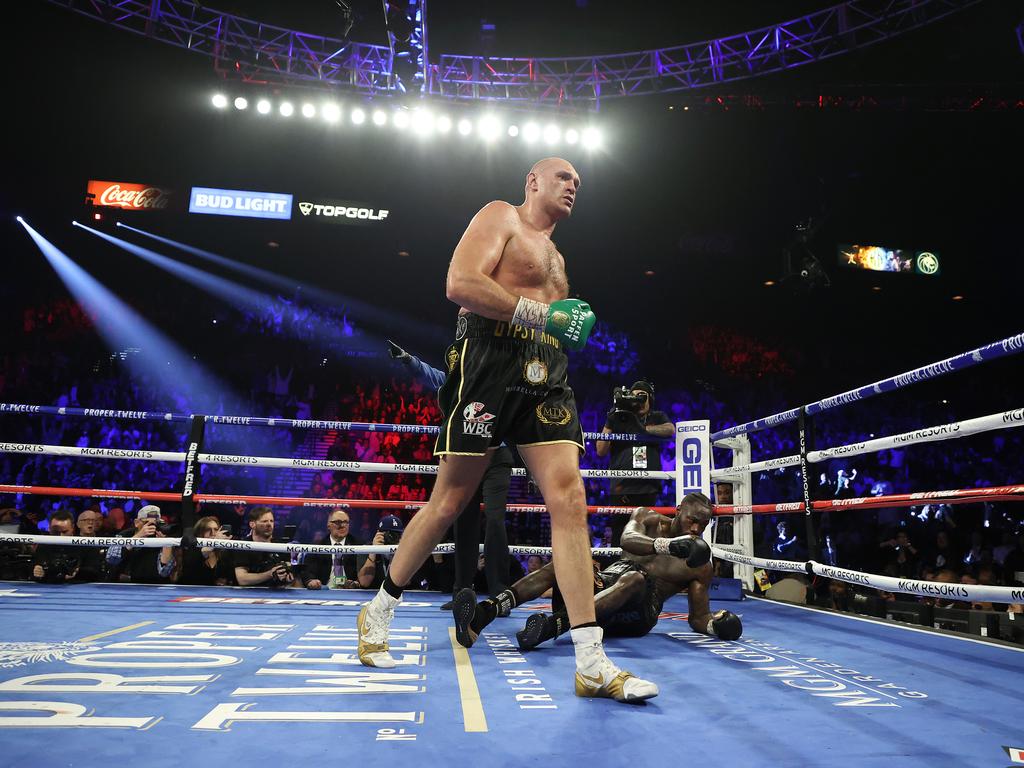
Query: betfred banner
(342, 212)
(237, 202)
(119, 194)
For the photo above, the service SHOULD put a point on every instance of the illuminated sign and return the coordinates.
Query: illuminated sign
(118, 194)
(878, 258)
(342, 212)
(235, 202)
(693, 452)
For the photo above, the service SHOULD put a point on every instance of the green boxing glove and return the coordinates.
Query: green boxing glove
(568, 320)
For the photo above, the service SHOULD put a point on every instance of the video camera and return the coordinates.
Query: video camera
(626, 406)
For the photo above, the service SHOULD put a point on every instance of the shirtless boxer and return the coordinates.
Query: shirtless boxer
(661, 556)
(507, 381)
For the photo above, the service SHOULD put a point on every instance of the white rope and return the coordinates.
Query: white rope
(226, 459)
(244, 545)
(1004, 420)
(963, 592)
(92, 453)
(792, 566)
(756, 466)
(980, 593)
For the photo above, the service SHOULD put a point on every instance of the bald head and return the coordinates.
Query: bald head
(550, 165)
(551, 185)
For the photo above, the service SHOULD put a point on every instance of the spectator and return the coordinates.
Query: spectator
(900, 557)
(206, 565)
(786, 547)
(943, 555)
(255, 568)
(334, 571)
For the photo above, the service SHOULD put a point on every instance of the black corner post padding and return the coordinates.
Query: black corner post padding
(190, 483)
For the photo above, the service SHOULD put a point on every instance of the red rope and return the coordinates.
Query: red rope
(959, 496)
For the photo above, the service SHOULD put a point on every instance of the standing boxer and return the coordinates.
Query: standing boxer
(507, 381)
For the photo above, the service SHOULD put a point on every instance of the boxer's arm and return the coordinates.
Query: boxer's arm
(636, 536)
(469, 282)
(700, 604)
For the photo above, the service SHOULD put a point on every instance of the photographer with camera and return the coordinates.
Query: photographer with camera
(59, 563)
(266, 569)
(143, 565)
(631, 413)
(373, 571)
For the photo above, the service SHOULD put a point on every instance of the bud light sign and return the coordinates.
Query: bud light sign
(234, 202)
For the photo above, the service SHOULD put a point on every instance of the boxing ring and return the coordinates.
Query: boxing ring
(262, 676)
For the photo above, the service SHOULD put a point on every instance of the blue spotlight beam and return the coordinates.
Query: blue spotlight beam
(370, 314)
(121, 327)
(227, 290)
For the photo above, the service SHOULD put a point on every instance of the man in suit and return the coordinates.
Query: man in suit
(334, 571)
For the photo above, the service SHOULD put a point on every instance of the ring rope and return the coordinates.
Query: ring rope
(260, 421)
(245, 545)
(953, 430)
(1008, 346)
(275, 462)
(958, 496)
(979, 592)
(972, 592)
(285, 501)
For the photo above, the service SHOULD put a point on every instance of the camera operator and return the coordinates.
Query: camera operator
(59, 563)
(144, 565)
(267, 569)
(631, 412)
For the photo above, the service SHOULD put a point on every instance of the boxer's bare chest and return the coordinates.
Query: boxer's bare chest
(531, 266)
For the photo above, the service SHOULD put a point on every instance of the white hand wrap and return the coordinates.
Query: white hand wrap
(530, 313)
(711, 626)
(661, 546)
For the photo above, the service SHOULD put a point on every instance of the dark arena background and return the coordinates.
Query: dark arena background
(799, 221)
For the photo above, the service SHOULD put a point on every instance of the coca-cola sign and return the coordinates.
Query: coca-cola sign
(135, 197)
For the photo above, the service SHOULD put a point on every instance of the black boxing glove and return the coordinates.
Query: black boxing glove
(725, 625)
(693, 549)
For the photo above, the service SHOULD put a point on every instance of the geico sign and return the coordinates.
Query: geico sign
(692, 428)
(693, 473)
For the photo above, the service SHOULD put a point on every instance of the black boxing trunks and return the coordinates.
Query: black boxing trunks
(506, 384)
(637, 617)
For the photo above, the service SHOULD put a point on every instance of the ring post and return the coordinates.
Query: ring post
(806, 436)
(190, 481)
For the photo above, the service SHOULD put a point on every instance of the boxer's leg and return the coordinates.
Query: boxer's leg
(471, 617)
(540, 627)
(457, 479)
(555, 467)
